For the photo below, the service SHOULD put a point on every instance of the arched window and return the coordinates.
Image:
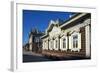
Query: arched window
(64, 43)
(75, 41)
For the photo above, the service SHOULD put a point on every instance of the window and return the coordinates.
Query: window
(75, 41)
(56, 43)
(52, 44)
(45, 44)
(64, 43)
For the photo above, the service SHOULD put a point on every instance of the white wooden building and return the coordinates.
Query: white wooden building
(74, 35)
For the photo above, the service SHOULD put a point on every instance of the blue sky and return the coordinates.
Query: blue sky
(40, 20)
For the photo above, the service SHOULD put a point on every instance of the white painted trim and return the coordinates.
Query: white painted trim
(76, 27)
(88, 43)
(64, 37)
(73, 19)
(70, 43)
(56, 48)
(79, 40)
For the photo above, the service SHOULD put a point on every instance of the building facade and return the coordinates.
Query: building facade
(72, 36)
(35, 43)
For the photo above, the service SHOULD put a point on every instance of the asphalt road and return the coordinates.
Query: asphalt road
(33, 57)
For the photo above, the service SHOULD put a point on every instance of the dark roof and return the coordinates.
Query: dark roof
(35, 32)
(80, 20)
(76, 14)
(46, 35)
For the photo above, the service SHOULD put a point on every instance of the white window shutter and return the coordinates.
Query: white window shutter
(66, 43)
(70, 42)
(60, 43)
(79, 41)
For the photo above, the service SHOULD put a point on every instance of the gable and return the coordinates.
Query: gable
(52, 24)
(55, 30)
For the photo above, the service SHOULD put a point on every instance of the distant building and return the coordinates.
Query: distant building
(35, 43)
(26, 47)
(72, 36)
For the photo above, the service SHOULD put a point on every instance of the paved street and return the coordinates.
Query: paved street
(33, 57)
